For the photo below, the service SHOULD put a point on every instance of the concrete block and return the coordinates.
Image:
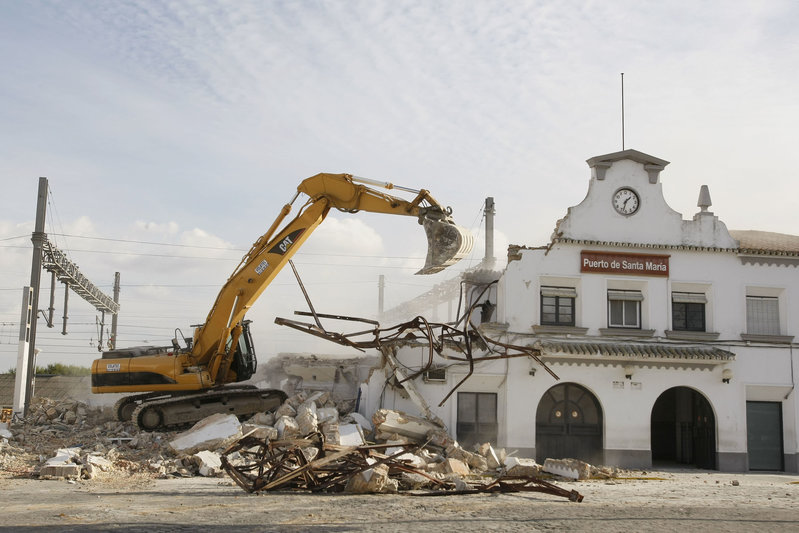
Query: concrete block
(262, 419)
(216, 431)
(328, 414)
(369, 481)
(287, 427)
(99, 462)
(307, 419)
(519, 466)
(350, 435)
(569, 468)
(390, 422)
(258, 431)
(209, 463)
(285, 410)
(60, 471)
(456, 466)
(361, 420)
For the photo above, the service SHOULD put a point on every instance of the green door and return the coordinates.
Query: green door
(764, 435)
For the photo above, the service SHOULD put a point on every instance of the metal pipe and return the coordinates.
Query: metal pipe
(384, 184)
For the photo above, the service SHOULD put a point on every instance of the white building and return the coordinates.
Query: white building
(672, 339)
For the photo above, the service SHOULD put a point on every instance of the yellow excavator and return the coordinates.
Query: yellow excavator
(179, 385)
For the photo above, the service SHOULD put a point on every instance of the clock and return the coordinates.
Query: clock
(626, 201)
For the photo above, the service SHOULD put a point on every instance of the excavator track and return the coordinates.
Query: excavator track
(178, 411)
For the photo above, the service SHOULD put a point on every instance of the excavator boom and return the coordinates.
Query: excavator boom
(221, 351)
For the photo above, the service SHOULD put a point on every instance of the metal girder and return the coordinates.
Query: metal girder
(54, 260)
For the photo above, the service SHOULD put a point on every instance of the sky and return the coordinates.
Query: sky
(172, 133)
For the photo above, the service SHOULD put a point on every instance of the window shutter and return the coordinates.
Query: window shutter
(564, 292)
(689, 297)
(633, 296)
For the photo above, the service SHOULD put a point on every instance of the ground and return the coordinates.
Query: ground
(653, 501)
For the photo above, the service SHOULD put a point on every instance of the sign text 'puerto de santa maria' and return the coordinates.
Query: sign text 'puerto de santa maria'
(624, 263)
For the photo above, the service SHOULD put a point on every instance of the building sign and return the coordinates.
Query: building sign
(620, 263)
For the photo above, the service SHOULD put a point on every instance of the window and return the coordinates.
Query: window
(477, 418)
(624, 309)
(688, 311)
(762, 315)
(557, 306)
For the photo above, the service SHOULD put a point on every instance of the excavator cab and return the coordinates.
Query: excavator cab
(244, 360)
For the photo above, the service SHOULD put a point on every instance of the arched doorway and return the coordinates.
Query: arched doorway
(683, 429)
(568, 424)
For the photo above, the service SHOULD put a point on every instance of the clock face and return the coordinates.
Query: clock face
(626, 201)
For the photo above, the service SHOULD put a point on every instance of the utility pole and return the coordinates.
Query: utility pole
(47, 256)
(38, 239)
(381, 290)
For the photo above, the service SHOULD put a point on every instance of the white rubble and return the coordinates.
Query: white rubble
(351, 435)
(209, 463)
(215, 431)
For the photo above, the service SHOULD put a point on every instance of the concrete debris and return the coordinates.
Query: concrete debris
(209, 464)
(519, 466)
(389, 423)
(259, 431)
(318, 448)
(568, 468)
(358, 418)
(351, 435)
(287, 427)
(216, 431)
(371, 480)
(307, 419)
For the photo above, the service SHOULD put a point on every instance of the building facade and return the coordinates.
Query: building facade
(672, 340)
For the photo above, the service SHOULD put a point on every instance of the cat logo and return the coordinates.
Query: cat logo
(287, 242)
(113, 367)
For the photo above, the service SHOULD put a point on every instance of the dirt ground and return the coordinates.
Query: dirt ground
(655, 501)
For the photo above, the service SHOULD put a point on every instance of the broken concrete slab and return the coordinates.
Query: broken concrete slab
(329, 414)
(350, 435)
(568, 468)
(208, 463)
(215, 431)
(263, 419)
(371, 480)
(519, 466)
(361, 420)
(287, 427)
(285, 410)
(456, 466)
(389, 422)
(259, 431)
(70, 471)
(306, 418)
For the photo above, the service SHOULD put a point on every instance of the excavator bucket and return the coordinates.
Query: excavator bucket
(446, 245)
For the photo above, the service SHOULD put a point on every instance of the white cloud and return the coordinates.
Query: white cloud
(198, 119)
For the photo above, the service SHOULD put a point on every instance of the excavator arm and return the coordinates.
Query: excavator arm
(216, 340)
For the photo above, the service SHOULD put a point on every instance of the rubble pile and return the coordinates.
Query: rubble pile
(315, 450)
(308, 443)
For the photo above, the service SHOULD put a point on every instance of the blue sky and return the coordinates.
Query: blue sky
(192, 122)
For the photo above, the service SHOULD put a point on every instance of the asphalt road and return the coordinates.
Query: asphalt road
(655, 501)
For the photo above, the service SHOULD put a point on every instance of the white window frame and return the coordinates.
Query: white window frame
(763, 315)
(617, 295)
